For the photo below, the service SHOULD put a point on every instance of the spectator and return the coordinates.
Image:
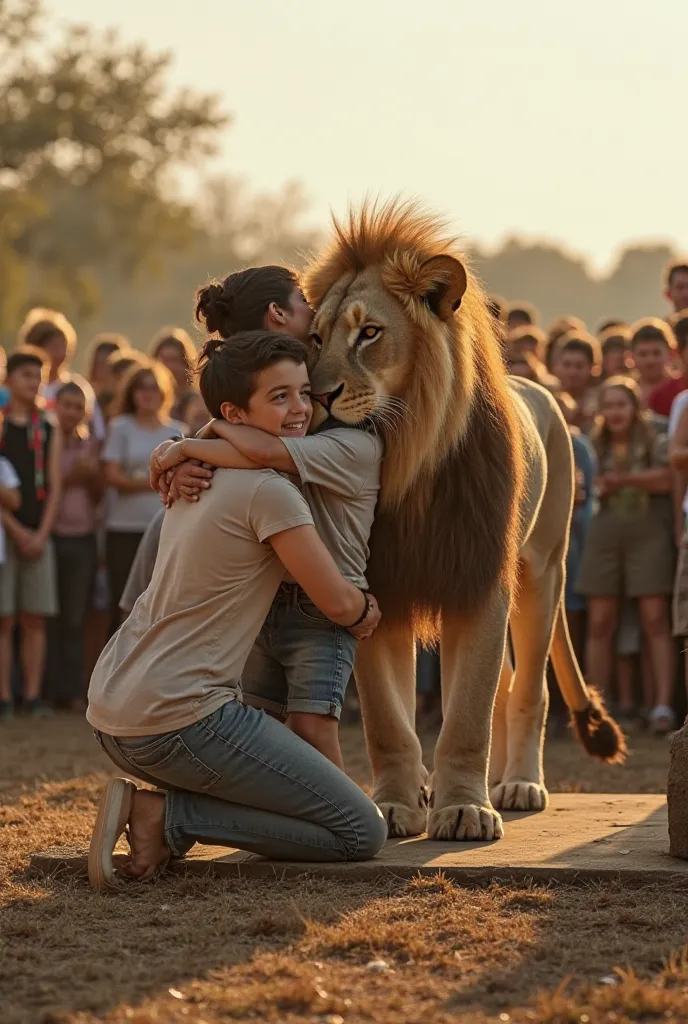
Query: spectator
(74, 537)
(664, 394)
(678, 435)
(27, 582)
(615, 342)
(141, 423)
(175, 350)
(141, 572)
(607, 325)
(652, 343)
(101, 348)
(53, 334)
(555, 332)
(521, 314)
(578, 366)
(116, 366)
(628, 552)
(677, 285)
(529, 339)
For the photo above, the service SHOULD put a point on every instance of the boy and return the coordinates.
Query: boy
(662, 396)
(652, 343)
(578, 362)
(301, 662)
(51, 332)
(27, 583)
(165, 694)
(74, 538)
(615, 342)
(676, 291)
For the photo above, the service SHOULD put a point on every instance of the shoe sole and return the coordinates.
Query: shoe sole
(113, 814)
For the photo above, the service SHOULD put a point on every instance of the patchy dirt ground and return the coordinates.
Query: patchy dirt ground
(204, 951)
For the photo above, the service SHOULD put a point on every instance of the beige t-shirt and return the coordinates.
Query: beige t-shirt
(340, 477)
(180, 654)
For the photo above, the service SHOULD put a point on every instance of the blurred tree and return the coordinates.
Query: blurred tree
(90, 140)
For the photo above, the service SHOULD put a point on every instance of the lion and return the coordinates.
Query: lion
(471, 529)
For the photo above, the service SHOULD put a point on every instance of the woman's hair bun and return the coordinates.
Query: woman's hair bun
(214, 309)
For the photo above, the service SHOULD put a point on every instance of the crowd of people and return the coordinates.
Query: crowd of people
(77, 501)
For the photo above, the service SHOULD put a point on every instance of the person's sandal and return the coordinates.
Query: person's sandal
(113, 815)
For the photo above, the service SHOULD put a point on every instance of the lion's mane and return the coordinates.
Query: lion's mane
(446, 530)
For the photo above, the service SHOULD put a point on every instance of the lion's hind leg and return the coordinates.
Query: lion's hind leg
(522, 786)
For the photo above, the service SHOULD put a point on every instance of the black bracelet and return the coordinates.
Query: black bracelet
(364, 613)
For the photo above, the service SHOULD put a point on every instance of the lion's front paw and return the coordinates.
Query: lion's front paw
(519, 796)
(403, 820)
(465, 822)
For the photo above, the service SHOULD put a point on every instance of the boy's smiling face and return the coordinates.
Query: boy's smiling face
(280, 403)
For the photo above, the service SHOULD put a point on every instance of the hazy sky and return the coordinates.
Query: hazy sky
(543, 117)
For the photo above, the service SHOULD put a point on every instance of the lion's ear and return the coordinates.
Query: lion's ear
(444, 280)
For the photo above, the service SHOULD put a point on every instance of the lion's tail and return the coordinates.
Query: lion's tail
(597, 730)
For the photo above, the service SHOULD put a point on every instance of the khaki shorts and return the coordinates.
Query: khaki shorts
(627, 558)
(680, 610)
(28, 584)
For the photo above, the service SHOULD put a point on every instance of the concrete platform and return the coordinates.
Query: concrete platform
(580, 836)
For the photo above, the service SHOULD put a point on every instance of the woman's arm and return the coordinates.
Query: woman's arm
(117, 478)
(257, 445)
(306, 558)
(218, 453)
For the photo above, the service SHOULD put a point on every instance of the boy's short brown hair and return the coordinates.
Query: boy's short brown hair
(651, 328)
(227, 368)
(679, 325)
(25, 355)
(581, 341)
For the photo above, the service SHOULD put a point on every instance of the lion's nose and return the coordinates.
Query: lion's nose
(329, 397)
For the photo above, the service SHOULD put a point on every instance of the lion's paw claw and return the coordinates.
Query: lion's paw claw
(519, 796)
(465, 823)
(402, 820)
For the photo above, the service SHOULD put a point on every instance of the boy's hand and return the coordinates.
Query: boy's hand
(366, 628)
(189, 479)
(156, 469)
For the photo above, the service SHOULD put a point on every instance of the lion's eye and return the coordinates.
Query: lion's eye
(316, 340)
(368, 333)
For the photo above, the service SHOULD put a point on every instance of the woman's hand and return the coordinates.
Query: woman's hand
(368, 626)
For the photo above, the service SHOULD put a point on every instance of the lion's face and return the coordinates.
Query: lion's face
(365, 340)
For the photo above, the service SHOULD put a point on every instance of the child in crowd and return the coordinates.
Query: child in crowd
(578, 363)
(629, 552)
(140, 424)
(74, 537)
(555, 332)
(676, 290)
(521, 314)
(301, 662)
(664, 394)
(652, 345)
(615, 342)
(54, 335)
(28, 590)
(101, 349)
(173, 347)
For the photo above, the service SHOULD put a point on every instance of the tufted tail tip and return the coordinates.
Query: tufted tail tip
(598, 732)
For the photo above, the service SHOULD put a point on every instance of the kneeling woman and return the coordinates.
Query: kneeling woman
(164, 699)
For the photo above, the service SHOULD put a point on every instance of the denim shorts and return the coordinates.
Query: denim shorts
(301, 661)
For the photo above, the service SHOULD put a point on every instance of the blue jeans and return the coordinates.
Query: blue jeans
(301, 660)
(239, 778)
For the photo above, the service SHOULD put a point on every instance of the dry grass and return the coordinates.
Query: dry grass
(207, 950)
